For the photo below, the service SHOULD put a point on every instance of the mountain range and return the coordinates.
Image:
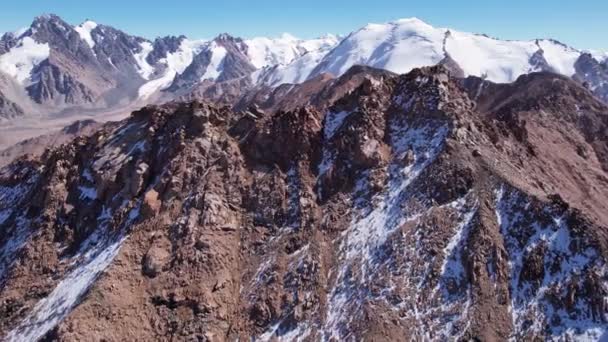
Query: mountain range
(399, 183)
(416, 207)
(54, 70)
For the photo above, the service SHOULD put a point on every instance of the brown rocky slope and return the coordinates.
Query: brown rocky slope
(418, 207)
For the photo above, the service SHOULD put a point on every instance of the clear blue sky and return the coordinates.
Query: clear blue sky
(580, 23)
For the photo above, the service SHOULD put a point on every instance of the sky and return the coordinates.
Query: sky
(582, 23)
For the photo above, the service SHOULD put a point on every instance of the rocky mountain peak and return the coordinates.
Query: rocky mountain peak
(201, 222)
(226, 37)
(163, 46)
(49, 24)
(48, 18)
(234, 44)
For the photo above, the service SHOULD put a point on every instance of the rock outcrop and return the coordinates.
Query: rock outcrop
(417, 207)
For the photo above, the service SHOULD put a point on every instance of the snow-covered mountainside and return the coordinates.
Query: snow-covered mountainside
(405, 44)
(265, 52)
(417, 207)
(56, 70)
(57, 65)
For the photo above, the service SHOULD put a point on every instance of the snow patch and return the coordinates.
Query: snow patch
(84, 30)
(18, 33)
(264, 52)
(175, 63)
(13, 236)
(296, 72)
(371, 227)
(288, 60)
(54, 308)
(215, 67)
(17, 234)
(23, 58)
(496, 60)
(87, 193)
(561, 57)
(533, 307)
(333, 122)
(145, 69)
(116, 151)
(91, 262)
(297, 334)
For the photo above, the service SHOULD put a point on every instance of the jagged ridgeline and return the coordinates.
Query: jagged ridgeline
(416, 207)
(52, 69)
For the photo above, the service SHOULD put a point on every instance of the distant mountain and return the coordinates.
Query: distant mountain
(52, 65)
(55, 69)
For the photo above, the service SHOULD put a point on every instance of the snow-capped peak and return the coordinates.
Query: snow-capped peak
(283, 50)
(214, 69)
(397, 46)
(174, 63)
(411, 20)
(288, 36)
(21, 59)
(84, 30)
(600, 56)
(404, 44)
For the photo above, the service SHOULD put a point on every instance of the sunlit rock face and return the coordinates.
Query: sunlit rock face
(418, 207)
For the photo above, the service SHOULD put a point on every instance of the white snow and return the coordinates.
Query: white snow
(298, 71)
(118, 150)
(371, 226)
(145, 69)
(264, 52)
(54, 308)
(96, 255)
(402, 45)
(560, 57)
(23, 58)
(451, 262)
(287, 59)
(599, 56)
(18, 235)
(398, 46)
(498, 60)
(325, 42)
(297, 334)
(175, 63)
(87, 193)
(333, 122)
(84, 30)
(215, 67)
(19, 230)
(531, 308)
(4, 215)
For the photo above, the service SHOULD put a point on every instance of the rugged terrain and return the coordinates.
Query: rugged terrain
(53, 73)
(421, 206)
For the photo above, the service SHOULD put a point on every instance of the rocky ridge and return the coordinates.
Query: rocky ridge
(421, 206)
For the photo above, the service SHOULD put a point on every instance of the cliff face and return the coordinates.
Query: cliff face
(416, 207)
